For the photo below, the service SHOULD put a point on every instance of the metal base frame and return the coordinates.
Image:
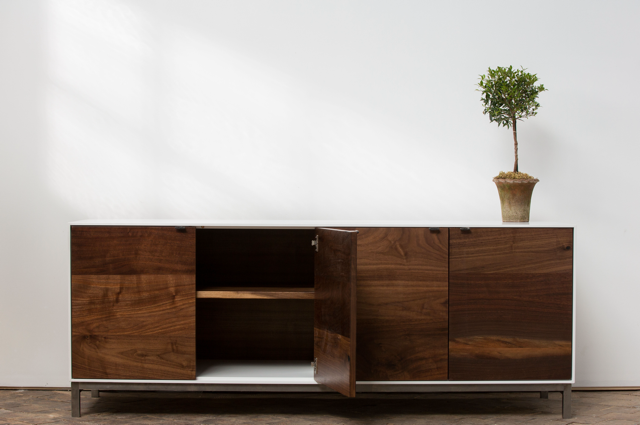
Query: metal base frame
(544, 389)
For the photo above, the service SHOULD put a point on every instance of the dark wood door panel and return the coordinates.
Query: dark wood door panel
(335, 277)
(402, 304)
(133, 357)
(388, 251)
(493, 368)
(538, 306)
(133, 305)
(335, 369)
(133, 294)
(335, 310)
(510, 304)
(114, 250)
(422, 358)
(501, 250)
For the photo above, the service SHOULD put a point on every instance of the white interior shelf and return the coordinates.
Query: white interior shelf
(255, 372)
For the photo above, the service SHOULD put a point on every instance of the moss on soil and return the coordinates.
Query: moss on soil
(512, 175)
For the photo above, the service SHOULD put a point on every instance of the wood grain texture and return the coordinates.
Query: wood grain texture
(133, 357)
(114, 250)
(335, 310)
(509, 348)
(402, 304)
(334, 360)
(510, 304)
(504, 250)
(255, 257)
(538, 306)
(257, 293)
(133, 305)
(254, 329)
(133, 302)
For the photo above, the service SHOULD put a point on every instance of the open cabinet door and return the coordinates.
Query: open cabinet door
(335, 310)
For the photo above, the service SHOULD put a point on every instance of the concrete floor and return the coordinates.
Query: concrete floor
(54, 407)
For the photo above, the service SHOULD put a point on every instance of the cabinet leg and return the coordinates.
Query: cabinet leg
(95, 393)
(566, 402)
(75, 400)
(544, 394)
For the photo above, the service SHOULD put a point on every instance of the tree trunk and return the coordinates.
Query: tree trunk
(515, 145)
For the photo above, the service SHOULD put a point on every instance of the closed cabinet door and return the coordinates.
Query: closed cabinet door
(403, 304)
(133, 302)
(510, 304)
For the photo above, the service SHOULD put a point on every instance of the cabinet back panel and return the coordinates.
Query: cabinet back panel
(402, 304)
(510, 304)
(254, 329)
(255, 257)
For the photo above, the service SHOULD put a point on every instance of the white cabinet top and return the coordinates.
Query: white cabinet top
(306, 224)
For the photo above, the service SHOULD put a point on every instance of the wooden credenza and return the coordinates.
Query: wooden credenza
(321, 307)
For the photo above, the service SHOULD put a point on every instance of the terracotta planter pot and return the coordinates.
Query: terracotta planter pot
(515, 198)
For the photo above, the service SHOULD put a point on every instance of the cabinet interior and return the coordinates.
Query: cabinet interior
(254, 308)
(250, 259)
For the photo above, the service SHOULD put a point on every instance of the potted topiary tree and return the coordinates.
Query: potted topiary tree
(510, 95)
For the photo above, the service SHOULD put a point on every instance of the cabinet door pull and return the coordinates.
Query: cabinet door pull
(181, 228)
(465, 229)
(434, 229)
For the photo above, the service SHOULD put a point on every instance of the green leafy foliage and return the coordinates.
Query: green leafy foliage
(509, 95)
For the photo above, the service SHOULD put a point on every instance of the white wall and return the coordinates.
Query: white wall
(310, 110)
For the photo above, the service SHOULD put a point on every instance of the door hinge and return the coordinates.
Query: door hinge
(314, 242)
(314, 363)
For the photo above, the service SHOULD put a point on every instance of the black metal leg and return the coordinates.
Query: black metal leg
(95, 393)
(75, 400)
(544, 394)
(566, 402)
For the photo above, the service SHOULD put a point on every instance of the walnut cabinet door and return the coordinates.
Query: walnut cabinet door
(133, 302)
(510, 304)
(403, 294)
(335, 309)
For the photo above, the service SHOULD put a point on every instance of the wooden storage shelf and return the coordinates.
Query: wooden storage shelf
(257, 293)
